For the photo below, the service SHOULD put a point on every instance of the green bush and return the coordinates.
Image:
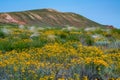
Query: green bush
(86, 39)
(2, 35)
(116, 31)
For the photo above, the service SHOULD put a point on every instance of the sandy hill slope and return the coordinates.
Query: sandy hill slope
(46, 17)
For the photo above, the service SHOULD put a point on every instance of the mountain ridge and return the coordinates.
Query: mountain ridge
(46, 17)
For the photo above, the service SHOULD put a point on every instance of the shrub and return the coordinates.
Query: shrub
(2, 35)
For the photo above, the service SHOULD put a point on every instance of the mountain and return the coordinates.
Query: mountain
(46, 17)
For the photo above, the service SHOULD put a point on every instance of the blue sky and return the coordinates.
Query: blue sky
(101, 11)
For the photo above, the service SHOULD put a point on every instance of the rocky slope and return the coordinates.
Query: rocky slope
(46, 17)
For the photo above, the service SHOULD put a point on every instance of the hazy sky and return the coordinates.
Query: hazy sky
(101, 11)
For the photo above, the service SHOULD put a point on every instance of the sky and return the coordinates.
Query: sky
(105, 12)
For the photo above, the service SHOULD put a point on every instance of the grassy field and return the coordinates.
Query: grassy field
(45, 53)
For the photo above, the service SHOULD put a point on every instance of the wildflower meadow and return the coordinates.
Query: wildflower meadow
(54, 53)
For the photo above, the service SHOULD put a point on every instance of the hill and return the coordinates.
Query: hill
(46, 17)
